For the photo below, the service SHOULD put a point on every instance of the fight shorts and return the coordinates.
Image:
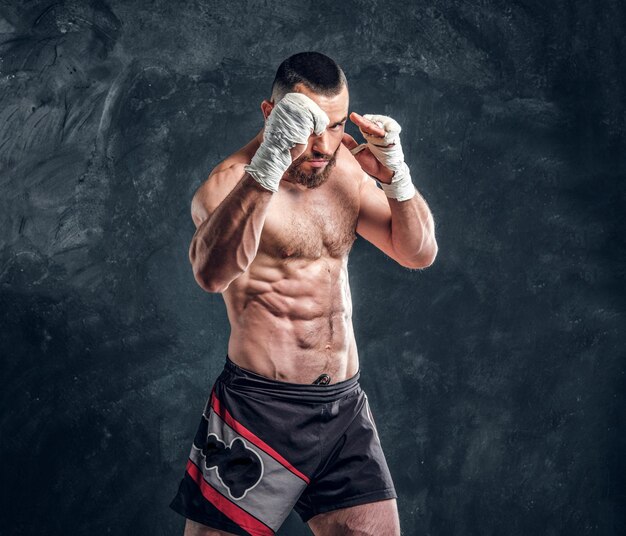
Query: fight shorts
(265, 447)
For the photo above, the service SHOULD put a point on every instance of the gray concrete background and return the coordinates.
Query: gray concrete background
(496, 375)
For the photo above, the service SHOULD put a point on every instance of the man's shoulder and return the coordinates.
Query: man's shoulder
(216, 187)
(348, 166)
(227, 172)
(235, 162)
(231, 164)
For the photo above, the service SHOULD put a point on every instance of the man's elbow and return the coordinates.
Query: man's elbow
(209, 284)
(204, 276)
(214, 288)
(423, 260)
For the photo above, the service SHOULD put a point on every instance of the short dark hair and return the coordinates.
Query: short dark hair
(314, 70)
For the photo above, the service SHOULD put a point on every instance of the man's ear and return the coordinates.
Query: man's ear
(266, 108)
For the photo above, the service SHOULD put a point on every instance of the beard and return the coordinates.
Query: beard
(317, 176)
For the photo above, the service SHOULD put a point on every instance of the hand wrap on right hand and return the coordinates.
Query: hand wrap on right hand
(290, 122)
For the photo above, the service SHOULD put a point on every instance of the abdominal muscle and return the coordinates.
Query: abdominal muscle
(291, 320)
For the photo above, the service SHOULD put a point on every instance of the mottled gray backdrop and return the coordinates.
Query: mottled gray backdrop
(496, 376)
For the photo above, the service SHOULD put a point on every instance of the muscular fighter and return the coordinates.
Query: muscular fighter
(287, 425)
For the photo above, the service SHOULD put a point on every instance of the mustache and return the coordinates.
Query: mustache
(318, 156)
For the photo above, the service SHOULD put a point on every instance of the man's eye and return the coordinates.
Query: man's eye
(337, 127)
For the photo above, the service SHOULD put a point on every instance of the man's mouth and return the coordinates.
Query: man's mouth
(318, 163)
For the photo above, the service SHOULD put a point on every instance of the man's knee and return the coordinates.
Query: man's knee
(197, 529)
(378, 518)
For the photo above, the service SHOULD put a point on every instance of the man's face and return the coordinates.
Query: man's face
(313, 167)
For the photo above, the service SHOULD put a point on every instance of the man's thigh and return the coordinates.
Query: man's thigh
(378, 518)
(197, 529)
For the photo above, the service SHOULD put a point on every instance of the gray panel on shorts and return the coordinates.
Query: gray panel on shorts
(272, 498)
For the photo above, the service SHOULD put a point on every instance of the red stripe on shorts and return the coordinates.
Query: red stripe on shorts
(228, 508)
(242, 430)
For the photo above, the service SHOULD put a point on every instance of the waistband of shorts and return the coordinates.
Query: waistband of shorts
(247, 380)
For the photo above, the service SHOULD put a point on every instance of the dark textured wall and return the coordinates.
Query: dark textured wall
(496, 375)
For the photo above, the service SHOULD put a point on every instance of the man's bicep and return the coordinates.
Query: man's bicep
(213, 191)
(374, 222)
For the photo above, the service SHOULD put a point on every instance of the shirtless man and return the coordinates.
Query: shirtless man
(287, 425)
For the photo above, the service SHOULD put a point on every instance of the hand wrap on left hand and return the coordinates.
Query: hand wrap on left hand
(388, 151)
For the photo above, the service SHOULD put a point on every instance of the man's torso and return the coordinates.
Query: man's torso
(291, 311)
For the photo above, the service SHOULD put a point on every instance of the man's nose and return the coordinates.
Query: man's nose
(321, 143)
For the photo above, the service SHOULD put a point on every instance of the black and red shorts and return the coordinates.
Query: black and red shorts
(265, 447)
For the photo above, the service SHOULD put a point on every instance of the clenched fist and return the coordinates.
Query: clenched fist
(286, 134)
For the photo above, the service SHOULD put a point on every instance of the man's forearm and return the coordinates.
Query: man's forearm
(413, 231)
(225, 244)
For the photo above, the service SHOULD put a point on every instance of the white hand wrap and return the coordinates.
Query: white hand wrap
(390, 156)
(290, 122)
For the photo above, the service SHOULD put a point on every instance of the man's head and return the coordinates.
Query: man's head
(321, 79)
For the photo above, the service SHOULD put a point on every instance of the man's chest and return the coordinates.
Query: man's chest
(311, 225)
